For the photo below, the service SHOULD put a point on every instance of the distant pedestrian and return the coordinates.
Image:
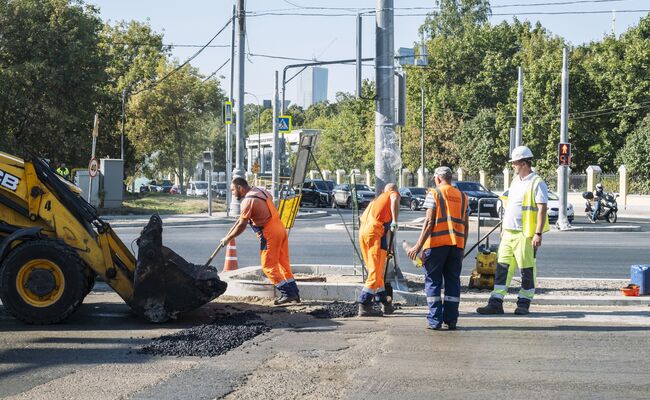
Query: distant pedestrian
(524, 222)
(258, 211)
(63, 171)
(443, 239)
(377, 220)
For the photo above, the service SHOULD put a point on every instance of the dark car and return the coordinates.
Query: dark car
(166, 185)
(317, 193)
(476, 191)
(342, 195)
(412, 197)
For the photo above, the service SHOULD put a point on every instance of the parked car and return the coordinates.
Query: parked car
(175, 189)
(317, 193)
(197, 188)
(166, 185)
(412, 197)
(553, 207)
(476, 191)
(219, 189)
(342, 195)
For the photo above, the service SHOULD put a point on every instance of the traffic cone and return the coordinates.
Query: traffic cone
(231, 257)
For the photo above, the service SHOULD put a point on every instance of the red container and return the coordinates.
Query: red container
(630, 290)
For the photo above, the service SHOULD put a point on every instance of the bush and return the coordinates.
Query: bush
(635, 156)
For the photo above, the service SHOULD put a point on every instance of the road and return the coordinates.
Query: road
(555, 353)
(563, 254)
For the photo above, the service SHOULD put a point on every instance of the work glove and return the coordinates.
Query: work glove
(224, 242)
(393, 226)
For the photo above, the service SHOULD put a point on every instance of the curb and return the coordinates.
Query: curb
(627, 228)
(248, 281)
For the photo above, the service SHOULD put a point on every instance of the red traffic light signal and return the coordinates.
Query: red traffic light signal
(564, 154)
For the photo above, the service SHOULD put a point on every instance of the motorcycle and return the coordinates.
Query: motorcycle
(608, 207)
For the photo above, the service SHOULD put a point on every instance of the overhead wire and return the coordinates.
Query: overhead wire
(217, 70)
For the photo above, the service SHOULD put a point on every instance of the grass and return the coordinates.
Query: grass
(164, 203)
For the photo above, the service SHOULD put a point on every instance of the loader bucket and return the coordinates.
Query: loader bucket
(164, 284)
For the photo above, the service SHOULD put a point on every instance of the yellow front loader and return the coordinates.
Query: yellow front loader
(53, 244)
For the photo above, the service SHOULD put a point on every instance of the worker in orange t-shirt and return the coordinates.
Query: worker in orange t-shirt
(258, 211)
(379, 217)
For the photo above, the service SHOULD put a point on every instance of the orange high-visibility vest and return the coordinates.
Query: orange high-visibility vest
(449, 225)
(379, 209)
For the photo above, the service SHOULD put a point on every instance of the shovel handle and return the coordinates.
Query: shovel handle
(214, 254)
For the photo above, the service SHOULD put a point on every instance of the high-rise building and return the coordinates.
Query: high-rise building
(312, 86)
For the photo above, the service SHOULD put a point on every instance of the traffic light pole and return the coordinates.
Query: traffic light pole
(563, 170)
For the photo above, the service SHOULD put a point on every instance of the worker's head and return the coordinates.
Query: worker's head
(239, 187)
(599, 186)
(521, 160)
(442, 175)
(390, 187)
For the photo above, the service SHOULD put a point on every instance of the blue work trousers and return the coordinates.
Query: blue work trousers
(442, 265)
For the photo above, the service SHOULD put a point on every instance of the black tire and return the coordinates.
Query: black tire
(612, 217)
(71, 270)
(414, 205)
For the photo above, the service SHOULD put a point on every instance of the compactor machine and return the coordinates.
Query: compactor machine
(53, 245)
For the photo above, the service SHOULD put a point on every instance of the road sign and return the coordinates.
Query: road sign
(228, 112)
(93, 167)
(564, 154)
(284, 123)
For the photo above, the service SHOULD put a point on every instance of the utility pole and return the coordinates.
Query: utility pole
(123, 122)
(274, 161)
(385, 103)
(359, 46)
(423, 62)
(228, 127)
(240, 128)
(520, 107)
(563, 170)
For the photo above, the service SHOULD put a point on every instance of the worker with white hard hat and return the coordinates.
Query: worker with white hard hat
(524, 222)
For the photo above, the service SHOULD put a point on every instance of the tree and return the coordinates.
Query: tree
(636, 154)
(174, 121)
(50, 69)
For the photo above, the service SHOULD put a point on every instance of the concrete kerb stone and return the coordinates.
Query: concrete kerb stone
(603, 228)
(250, 281)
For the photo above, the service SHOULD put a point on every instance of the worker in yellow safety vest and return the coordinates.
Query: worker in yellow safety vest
(63, 171)
(524, 222)
(379, 217)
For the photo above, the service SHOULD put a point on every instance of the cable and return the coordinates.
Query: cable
(298, 14)
(217, 70)
(170, 73)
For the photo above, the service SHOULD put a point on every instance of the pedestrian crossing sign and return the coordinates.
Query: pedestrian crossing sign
(228, 112)
(284, 123)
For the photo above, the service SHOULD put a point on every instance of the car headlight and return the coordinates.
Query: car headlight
(473, 199)
(359, 196)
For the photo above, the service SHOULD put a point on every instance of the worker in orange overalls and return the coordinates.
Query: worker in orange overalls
(258, 211)
(379, 217)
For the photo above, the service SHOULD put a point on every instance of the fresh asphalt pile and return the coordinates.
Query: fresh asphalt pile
(209, 340)
(337, 310)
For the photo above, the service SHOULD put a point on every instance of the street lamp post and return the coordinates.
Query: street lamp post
(423, 62)
(123, 122)
(259, 134)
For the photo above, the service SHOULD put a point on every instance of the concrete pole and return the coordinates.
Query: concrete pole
(359, 51)
(385, 103)
(520, 108)
(241, 63)
(274, 146)
(422, 128)
(563, 178)
(228, 127)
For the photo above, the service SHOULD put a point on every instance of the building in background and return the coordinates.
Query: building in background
(312, 86)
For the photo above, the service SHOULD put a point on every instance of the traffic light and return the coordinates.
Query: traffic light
(564, 154)
(207, 160)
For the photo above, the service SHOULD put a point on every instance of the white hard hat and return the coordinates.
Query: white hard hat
(599, 186)
(520, 153)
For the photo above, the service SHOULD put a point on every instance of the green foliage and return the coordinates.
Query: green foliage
(636, 154)
(172, 120)
(50, 69)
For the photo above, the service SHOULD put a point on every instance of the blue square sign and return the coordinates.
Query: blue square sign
(284, 123)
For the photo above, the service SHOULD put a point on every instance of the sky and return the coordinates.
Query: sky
(194, 22)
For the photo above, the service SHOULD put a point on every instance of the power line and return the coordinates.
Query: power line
(178, 68)
(582, 12)
(217, 70)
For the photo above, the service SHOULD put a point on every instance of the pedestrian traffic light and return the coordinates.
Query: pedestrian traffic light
(564, 154)
(207, 160)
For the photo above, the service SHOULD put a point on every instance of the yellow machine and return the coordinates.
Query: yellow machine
(486, 267)
(53, 244)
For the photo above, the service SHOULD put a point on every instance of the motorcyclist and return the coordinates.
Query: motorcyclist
(599, 195)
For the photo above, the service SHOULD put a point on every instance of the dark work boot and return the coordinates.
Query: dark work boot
(284, 299)
(366, 310)
(387, 307)
(494, 306)
(523, 305)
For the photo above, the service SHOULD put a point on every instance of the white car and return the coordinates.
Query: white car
(553, 207)
(197, 188)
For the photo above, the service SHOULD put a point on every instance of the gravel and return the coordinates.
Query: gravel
(338, 310)
(209, 340)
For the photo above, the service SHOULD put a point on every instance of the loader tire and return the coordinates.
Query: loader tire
(43, 281)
